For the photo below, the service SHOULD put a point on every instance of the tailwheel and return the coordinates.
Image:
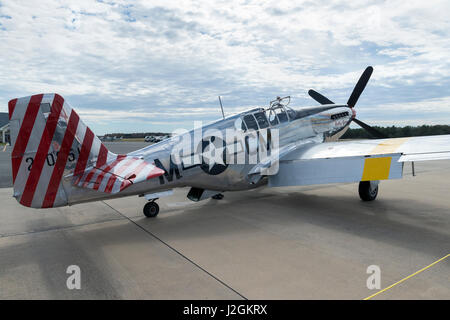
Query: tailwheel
(218, 196)
(368, 190)
(151, 209)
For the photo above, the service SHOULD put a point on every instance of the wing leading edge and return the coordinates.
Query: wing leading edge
(417, 146)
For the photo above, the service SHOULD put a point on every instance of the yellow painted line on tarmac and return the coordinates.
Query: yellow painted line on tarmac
(410, 276)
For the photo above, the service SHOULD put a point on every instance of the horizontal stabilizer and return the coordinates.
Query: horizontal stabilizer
(117, 175)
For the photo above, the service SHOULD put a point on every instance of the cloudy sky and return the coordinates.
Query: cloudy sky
(153, 65)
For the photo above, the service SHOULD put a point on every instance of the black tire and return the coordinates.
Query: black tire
(151, 209)
(218, 196)
(366, 193)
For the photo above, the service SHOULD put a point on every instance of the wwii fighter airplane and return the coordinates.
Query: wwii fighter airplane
(57, 160)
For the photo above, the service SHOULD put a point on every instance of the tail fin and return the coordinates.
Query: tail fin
(50, 143)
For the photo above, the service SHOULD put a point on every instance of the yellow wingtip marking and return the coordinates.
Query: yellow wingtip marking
(388, 145)
(376, 168)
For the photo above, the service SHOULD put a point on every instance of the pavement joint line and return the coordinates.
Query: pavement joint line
(177, 252)
(406, 278)
(58, 228)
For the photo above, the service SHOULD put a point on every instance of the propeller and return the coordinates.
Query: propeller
(319, 98)
(371, 130)
(359, 88)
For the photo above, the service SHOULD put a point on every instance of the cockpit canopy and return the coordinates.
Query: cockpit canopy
(260, 118)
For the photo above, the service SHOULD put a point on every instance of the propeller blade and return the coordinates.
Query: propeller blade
(372, 131)
(319, 98)
(362, 82)
(359, 88)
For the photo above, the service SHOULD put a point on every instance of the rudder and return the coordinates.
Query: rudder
(50, 143)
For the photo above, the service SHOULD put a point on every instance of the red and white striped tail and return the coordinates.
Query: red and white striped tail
(52, 150)
(117, 175)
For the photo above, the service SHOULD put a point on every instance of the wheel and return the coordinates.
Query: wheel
(151, 209)
(218, 196)
(367, 192)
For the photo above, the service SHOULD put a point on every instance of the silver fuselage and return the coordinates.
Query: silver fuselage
(302, 125)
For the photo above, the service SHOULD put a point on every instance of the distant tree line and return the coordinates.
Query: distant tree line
(397, 132)
(391, 132)
(135, 135)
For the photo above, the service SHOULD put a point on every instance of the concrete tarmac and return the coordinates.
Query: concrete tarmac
(283, 243)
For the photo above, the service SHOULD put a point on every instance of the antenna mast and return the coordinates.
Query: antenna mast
(221, 107)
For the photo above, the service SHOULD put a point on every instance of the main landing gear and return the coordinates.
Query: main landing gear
(151, 209)
(368, 190)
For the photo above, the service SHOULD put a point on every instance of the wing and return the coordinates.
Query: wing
(117, 175)
(359, 160)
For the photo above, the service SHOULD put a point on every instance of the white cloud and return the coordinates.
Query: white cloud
(437, 105)
(163, 55)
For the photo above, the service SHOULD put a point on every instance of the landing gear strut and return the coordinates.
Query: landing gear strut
(151, 209)
(368, 190)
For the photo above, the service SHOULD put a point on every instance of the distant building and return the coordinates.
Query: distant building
(4, 127)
